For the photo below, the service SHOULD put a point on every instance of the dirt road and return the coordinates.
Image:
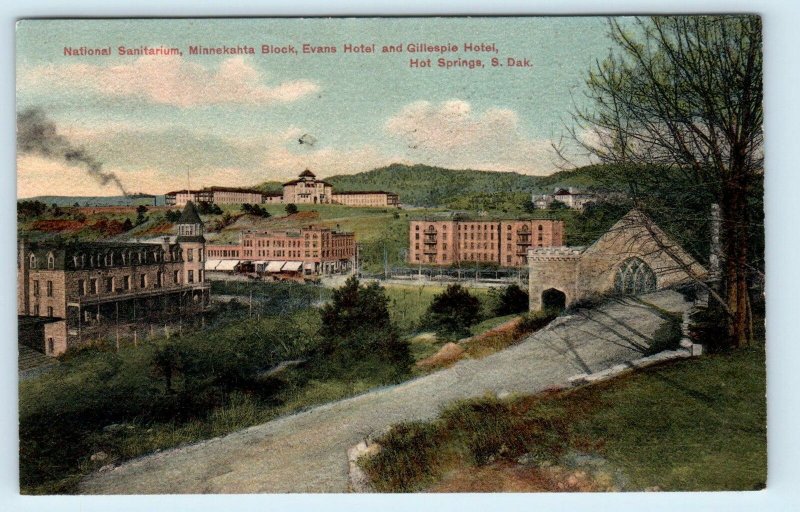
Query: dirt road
(306, 452)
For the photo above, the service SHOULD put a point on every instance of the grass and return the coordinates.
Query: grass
(709, 433)
(408, 303)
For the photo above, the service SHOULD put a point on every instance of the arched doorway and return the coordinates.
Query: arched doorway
(634, 277)
(554, 299)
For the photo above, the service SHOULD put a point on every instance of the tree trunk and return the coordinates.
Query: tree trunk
(736, 233)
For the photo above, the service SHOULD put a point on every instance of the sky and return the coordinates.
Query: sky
(164, 122)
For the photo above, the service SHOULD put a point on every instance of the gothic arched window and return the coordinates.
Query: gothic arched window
(634, 277)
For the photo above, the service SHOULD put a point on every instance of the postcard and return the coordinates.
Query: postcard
(391, 255)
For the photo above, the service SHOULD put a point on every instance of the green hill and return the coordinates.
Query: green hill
(423, 185)
(429, 186)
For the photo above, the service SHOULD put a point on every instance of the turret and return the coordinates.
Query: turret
(192, 244)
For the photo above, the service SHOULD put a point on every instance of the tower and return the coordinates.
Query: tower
(192, 244)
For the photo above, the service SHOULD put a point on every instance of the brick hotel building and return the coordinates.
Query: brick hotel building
(501, 242)
(307, 251)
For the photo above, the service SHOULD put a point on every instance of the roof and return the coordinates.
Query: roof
(232, 189)
(294, 182)
(189, 215)
(307, 174)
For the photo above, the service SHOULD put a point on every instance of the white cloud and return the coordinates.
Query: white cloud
(450, 134)
(171, 80)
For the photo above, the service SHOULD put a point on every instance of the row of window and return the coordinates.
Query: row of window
(110, 283)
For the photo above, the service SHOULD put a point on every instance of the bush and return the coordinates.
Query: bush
(407, 459)
(512, 300)
(291, 209)
(453, 311)
(535, 321)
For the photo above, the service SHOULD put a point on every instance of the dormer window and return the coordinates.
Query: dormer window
(51, 261)
(33, 263)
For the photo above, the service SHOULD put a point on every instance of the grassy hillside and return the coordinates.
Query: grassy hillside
(709, 434)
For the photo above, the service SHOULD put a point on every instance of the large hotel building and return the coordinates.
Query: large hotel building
(71, 294)
(306, 189)
(501, 242)
(300, 252)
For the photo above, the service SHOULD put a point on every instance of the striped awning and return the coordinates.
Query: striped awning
(292, 266)
(211, 264)
(227, 265)
(275, 266)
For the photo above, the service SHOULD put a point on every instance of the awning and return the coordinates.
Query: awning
(212, 264)
(309, 265)
(227, 265)
(292, 266)
(275, 266)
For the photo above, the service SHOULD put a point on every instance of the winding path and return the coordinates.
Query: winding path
(306, 452)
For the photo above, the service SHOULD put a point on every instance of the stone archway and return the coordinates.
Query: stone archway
(634, 277)
(553, 298)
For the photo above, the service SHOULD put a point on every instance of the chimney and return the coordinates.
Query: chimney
(165, 247)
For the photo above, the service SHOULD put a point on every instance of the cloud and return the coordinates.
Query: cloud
(451, 134)
(171, 80)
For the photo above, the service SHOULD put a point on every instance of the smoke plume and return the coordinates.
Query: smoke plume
(37, 134)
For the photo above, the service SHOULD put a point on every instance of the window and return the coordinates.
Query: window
(81, 287)
(49, 288)
(51, 262)
(50, 345)
(416, 236)
(508, 259)
(190, 276)
(36, 310)
(49, 310)
(160, 279)
(176, 277)
(199, 276)
(143, 281)
(109, 284)
(87, 315)
(35, 287)
(189, 254)
(199, 254)
(33, 261)
(126, 282)
(93, 285)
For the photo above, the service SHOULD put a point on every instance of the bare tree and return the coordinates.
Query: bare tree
(684, 94)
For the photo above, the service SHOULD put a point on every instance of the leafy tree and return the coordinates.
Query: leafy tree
(140, 214)
(30, 208)
(127, 225)
(512, 300)
(291, 209)
(357, 327)
(172, 215)
(453, 311)
(684, 94)
(558, 205)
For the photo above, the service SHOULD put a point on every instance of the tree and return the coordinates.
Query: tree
(453, 311)
(684, 94)
(291, 209)
(357, 327)
(140, 214)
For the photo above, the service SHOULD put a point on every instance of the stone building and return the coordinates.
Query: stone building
(633, 257)
(87, 291)
(307, 189)
(310, 251)
(500, 242)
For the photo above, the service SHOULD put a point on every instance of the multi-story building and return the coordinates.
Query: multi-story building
(500, 242)
(375, 199)
(214, 195)
(86, 291)
(308, 189)
(571, 197)
(305, 251)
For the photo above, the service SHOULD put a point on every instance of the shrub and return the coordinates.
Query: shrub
(513, 299)
(453, 311)
(407, 459)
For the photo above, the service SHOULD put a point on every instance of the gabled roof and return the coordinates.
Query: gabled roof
(189, 215)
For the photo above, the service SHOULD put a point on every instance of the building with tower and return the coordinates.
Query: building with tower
(70, 294)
